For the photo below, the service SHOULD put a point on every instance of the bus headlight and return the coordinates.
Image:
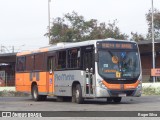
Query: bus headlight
(99, 81)
(101, 84)
(139, 89)
(140, 84)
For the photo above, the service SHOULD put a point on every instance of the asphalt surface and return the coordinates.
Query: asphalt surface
(91, 109)
(144, 103)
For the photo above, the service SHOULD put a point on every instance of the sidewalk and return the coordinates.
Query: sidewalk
(151, 85)
(8, 88)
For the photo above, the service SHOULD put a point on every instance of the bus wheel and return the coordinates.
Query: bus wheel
(117, 99)
(77, 94)
(35, 95)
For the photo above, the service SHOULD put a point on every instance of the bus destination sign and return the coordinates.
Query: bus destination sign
(114, 45)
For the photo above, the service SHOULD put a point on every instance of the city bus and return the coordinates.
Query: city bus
(105, 68)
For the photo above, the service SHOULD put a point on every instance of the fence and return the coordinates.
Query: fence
(9, 81)
(146, 76)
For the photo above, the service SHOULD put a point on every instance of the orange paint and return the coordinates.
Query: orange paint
(131, 86)
(112, 86)
(34, 51)
(44, 83)
(24, 53)
(120, 86)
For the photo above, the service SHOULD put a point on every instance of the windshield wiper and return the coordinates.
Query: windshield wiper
(110, 53)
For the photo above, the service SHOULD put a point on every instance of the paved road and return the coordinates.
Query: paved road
(144, 103)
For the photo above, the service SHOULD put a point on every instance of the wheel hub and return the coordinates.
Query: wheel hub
(77, 94)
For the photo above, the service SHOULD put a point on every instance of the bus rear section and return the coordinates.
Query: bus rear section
(33, 75)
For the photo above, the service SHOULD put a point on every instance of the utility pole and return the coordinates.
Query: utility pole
(1, 48)
(49, 34)
(153, 42)
(12, 49)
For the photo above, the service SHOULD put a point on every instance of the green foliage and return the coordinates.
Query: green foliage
(156, 23)
(137, 37)
(12, 94)
(74, 28)
(151, 90)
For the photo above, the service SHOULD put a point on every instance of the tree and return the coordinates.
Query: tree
(113, 31)
(74, 28)
(137, 37)
(59, 31)
(156, 23)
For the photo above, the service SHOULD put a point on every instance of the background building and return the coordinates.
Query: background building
(145, 48)
(7, 69)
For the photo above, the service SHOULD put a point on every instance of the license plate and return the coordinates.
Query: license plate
(122, 95)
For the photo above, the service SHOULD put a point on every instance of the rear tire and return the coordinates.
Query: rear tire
(36, 96)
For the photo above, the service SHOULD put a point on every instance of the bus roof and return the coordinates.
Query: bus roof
(65, 45)
(79, 44)
(32, 52)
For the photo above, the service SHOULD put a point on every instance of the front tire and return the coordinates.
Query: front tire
(77, 94)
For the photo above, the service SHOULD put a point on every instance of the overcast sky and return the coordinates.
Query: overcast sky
(24, 22)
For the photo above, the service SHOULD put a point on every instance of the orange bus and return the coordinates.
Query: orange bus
(91, 69)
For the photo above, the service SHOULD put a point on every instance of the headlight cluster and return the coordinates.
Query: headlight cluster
(101, 84)
(140, 84)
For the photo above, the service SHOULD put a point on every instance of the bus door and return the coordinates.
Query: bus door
(51, 67)
(89, 69)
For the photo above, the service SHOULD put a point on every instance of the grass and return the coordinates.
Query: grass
(5, 93)
(151, 91)
(145, 91)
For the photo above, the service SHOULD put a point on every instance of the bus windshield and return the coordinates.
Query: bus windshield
(118, 64)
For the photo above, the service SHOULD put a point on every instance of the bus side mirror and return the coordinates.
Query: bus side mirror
(96, 57)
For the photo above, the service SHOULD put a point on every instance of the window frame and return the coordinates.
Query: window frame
(23, 64)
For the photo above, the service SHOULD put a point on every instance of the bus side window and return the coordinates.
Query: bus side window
(88, 58)
(21, 63)
(73, 58)
(61, 60)
(39, 62)
(50, 64)
(30, 62)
